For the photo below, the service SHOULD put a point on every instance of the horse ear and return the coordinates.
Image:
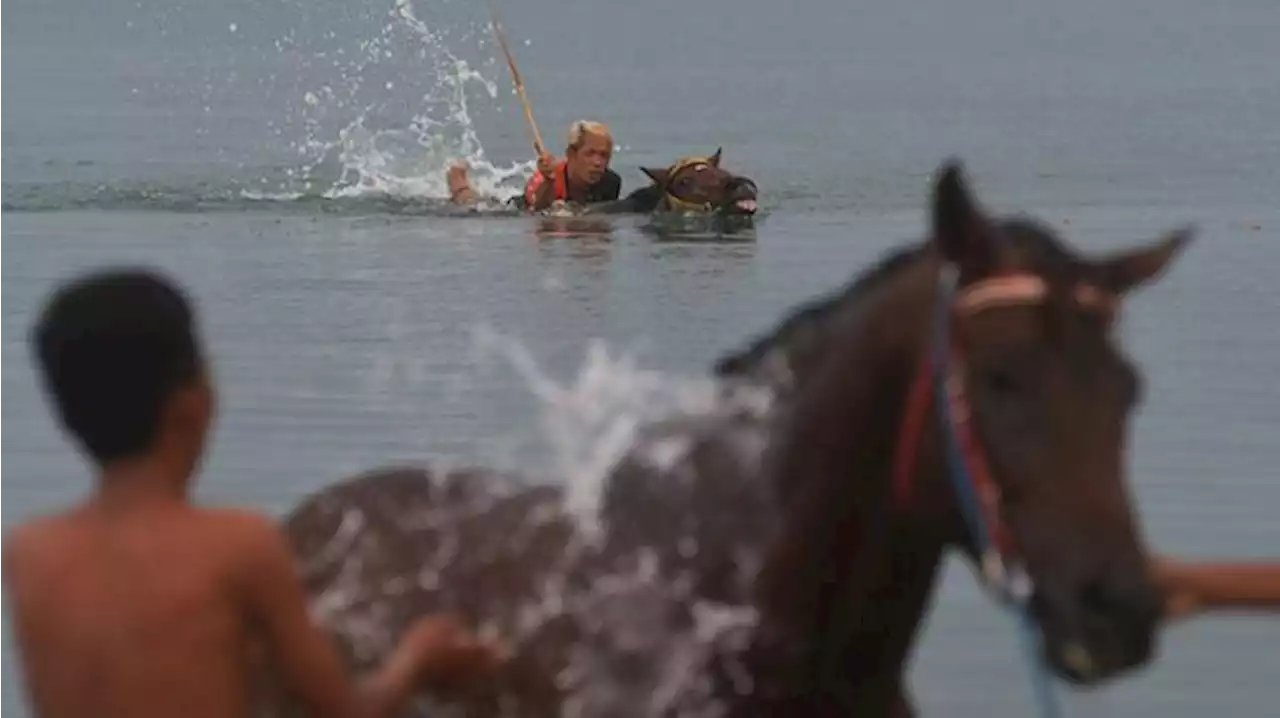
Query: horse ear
(1127, 271)
(959, 228)
(659, 176)
(714, 160)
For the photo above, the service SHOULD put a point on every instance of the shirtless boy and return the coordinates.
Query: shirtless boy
(138, 603)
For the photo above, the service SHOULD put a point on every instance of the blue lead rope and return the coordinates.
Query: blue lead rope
(1016, 589)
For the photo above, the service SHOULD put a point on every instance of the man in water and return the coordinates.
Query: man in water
(582, 177)
(137, 602)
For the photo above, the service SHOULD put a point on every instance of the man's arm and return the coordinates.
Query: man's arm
(306, 658)
(540, 190)
(1193, 587)
(539, 193)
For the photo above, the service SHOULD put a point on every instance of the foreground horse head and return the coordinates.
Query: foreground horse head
(699, 185)
(973, 397)
(991, 337)
(1033, 356)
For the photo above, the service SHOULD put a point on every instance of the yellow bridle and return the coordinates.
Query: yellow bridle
(675, 202)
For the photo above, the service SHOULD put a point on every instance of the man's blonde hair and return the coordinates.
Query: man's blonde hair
(579, 130)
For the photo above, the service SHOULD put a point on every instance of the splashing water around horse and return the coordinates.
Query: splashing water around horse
(779, 564)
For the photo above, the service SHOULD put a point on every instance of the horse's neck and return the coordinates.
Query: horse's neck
(846, 582)
(858, 667)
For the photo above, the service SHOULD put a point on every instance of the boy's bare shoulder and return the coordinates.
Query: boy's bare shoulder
(238, 517)
(31, 541)
(243, 529)
(254, 541)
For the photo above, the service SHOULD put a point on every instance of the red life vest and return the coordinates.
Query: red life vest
(560, 178)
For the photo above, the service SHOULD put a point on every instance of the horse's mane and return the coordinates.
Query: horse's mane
(790, 335)
(800, 335)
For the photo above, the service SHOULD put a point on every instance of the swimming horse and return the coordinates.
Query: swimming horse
(966, 392)
(691, 185)
(692, 196)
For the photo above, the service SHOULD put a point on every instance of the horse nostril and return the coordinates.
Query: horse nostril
(1127, 600)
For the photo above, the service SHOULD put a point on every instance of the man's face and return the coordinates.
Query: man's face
(589, 161)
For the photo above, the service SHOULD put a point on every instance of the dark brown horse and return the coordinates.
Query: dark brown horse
(694, 185)
(775, 559)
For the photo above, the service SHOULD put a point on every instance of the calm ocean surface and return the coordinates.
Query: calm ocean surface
(281, 158)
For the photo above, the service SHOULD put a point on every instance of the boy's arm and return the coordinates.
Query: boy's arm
(304, 655)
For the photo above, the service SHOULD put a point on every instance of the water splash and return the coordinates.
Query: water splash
(352, 106)
(643, 635)
(362, 134)
(593, 421)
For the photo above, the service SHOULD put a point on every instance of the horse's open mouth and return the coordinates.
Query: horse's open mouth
(744, 206)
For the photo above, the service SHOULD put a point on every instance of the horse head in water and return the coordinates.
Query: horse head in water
(831, 546)
(699, 185)
(694, 185)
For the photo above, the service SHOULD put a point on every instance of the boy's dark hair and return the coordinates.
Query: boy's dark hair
(112, 347)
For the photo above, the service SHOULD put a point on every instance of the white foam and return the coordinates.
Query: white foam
(633, 659)
(591, 421)
(347, 131)
(594, 420)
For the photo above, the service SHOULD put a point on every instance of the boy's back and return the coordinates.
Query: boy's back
(138, 603)
(131, 613)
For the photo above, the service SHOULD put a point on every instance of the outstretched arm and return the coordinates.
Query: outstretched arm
(1196, 586)
(460, 191)
(433, 653)
(540, 190)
